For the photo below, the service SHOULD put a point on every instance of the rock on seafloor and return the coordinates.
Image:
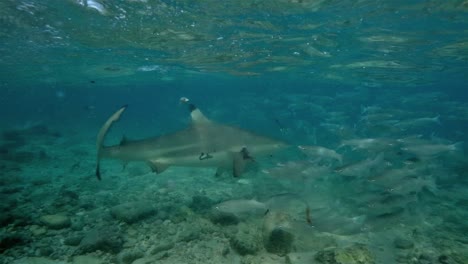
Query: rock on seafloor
(37, 230)
(277, 233)
(104, 240)
(56, 221)
(8, 241)
(132, 211)
(301, 258)
(247, 240)
(223, 218)
(85, 259)
(37, 260)
(355, 254)
(403, 243)
(128, 256)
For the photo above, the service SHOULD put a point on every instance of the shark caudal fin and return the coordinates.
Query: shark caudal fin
(102, 134)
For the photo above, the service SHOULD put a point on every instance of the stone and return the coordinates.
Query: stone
(187, 235)
(37, 230)
(132, 212)
(37, 260)
(145, 260)
(78, 224)
(127, 257)
(56, 221)
(73, 240)
(85, 259)
(301, 258)
(355, 254)
(247, 240)
(6, 218)
(104, 240)
(223, 218)
(201, 204)
(277, 233)
(45, 251)
(403, 243)
(10, 241)
(163, 246)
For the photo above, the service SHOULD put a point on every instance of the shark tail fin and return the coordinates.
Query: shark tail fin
(102, 134)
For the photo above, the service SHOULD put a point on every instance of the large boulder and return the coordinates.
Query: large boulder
(55, 221)
(277, 233)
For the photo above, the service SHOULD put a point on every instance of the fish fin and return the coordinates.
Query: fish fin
(219, 172)
(123, 141)
(158, 167)
(195, 113)
(198, 117)
(339, 157)
(457, 147)
(364, 109)
(241, 159)
(380, 157)
(102, 134)
(98, 171)
(124, 166)
(437, 119)
(308, 215)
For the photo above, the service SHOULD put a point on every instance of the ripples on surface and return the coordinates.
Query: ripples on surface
(374, 42)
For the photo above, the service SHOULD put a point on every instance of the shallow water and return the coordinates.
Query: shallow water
(381, 85)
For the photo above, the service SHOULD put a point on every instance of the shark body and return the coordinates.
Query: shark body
(203, 144)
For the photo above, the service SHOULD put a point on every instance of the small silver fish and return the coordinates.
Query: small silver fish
(242, 206)
(321, 152)
(431, 150)
(363, 168)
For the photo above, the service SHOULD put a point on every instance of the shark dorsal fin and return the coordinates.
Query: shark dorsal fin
(123, 141)
(157, 167)
(197, 116)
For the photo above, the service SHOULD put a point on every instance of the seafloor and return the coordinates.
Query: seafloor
(55, 211)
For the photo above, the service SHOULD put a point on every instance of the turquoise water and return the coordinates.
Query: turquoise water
(373, 92)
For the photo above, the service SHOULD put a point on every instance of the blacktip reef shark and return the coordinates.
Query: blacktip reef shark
(203, 144)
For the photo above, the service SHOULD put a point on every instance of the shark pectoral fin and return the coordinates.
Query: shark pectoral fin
(157, 167)
(124, 166)
(241, 159)
(219, 171)
(195, 113)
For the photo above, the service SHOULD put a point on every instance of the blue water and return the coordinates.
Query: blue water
(379, 84)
